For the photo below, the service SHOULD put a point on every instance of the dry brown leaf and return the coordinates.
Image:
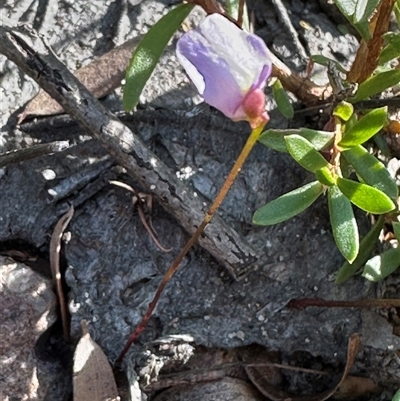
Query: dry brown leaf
(93, 377)
(353, 387)
(265, 387)
(55, 248)
(100, 77)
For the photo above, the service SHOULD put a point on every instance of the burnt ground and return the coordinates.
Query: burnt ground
(113, 267)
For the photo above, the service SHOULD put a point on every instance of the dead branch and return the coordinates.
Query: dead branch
(32, 56)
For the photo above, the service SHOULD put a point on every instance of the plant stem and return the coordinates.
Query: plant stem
(207, 218)
(303, 303)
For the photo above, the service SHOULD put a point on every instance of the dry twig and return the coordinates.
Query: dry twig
(55, 247)
(16, 156)
(137, 200)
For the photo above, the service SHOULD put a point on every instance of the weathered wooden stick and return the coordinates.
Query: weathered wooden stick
(37, 60)
(19, 155)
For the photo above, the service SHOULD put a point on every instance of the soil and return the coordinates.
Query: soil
(112, 266)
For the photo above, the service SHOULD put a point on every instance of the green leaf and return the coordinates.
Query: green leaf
(396, 397)
(396, 230)
(282, 100)
(149, 51)
(343, 222)
(364, 9)
(326, 61)
(325, 176)
(392, 48)
(364, 128)
(396, 10)
(288, 205)
(376, 84)
(382, 145)
(367, 245)
(304, 153)
(345, 167)
(347, 7)
(381, 266)
(367, 198)
(351, 122)
(371, 170)
(275, 138)
(344, 110)
(363, 30)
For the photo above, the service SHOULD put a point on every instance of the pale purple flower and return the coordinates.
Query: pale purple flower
(228, 66)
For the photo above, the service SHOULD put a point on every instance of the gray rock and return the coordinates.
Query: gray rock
(224, 390)
(27, 311)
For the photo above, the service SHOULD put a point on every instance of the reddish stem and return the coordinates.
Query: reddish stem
(303, 303)
(255, 134)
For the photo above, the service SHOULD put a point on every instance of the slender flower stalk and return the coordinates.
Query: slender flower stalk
(229, 68)
(255, 134)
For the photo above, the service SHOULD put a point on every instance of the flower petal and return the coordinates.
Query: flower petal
(226, 64)
(245, 53)
(210, 73)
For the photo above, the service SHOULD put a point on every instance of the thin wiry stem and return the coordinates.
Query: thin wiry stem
(255, 134)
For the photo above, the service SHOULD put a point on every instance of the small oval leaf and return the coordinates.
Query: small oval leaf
(365, 197)
(376, 84)
(149, 51)
(288, 205)
(318, 139)
(371, 170)
(364, 30)
(392, 49)
(396, 397)
(347, 7)
(304, 153)
(325, 176)
(381, 266)
(326, 61)
(275, 138)
(367, 245)
(364, 9)
(382, 146)
(282, 100)
(344, 110)
(343, 222)
(364, 128)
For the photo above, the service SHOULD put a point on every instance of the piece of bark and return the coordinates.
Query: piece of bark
(303, 88)
(368, 53)
(38, 61)
(19, 155)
